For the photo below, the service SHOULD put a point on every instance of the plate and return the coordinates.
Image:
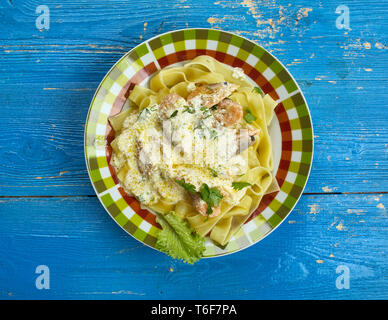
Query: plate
(291, 130)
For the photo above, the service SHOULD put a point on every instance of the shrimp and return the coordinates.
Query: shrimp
(169, 104)
(201, 206)
(228, 112)
(209, 95)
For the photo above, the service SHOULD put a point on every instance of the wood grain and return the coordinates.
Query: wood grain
(42, 143)
(50, 215)
(90, 257)
(90, 36)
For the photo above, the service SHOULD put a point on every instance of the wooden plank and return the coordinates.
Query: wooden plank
(86, 38)
(91, 59)
(41, 137)
(47, 81)
(89, 256)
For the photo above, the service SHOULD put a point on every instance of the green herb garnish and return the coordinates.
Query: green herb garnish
(143, 113)
(206, 112)
(258, 90)
(187, 186)
(213, 172)
(211, 196)
(174, 114)
(189, 109)
(240, 185)
(249, 117)
(199, 125)
(178, 239)
(214, 107)
(213, 134)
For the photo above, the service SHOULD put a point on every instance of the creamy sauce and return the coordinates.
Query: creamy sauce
(238, 73)
(185, 143)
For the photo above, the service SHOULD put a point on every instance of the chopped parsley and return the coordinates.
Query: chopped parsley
(249, 117)
(205, 132)
(213, 133)
(189, 109)
(174, 114)
(240, 185)
(211, 196)
(187, 186)
(146, 112)
(206, 112)
(213, 172)
(258, 90)
(143, 114)
(199, 125)
(214, 107)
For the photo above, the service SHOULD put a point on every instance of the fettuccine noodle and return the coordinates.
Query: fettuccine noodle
(170, 196)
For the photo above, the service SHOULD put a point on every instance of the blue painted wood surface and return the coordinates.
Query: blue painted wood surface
(50, 216)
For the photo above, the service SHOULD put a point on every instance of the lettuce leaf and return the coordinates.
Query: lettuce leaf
(178, 240)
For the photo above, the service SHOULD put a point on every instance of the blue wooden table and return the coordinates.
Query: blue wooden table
(50, 216)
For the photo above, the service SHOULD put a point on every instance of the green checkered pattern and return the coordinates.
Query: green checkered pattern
(171, 44)
(95, 144)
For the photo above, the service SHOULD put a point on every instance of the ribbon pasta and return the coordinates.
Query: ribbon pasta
(180, 80)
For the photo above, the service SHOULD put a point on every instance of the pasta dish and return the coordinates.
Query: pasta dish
(194, 148)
